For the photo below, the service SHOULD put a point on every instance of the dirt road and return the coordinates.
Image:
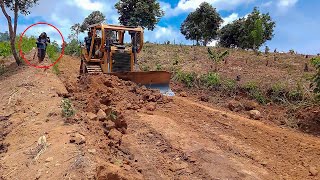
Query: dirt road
(181, 139)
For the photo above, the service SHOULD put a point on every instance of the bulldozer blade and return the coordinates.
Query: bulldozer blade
(152, 79)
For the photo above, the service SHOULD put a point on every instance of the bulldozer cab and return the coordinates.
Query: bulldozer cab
(114, 50)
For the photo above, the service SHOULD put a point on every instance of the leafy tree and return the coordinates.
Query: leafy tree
(229, 35)
(139, 13)
(202, 24)
(72, 48)
(248, 33)
(17, 6)
(75, 31)
(94, 18)
(4, 36)
(257, 34)
(216, 57)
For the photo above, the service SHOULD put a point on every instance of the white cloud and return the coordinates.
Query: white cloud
(162, 34)
(191, 5)
(229, 19)
(286, 3)
(267, 4)
(87, 5)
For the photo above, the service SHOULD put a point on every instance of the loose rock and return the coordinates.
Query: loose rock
(313, 171)
(92, 151)
(49, 159)
(151, 107)
(250, 105)
(114, 134)
(109, 125)
(101, 115)
(255, 114)
(235, 105)
(183, 94)
(204, 98)
(91, 116)
(77, 139)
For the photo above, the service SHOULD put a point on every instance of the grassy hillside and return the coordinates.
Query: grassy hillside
(272, 74)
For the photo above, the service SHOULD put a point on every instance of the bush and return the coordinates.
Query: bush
(67, 109)
(253, 91)
(5, 49)
(277, 93)
(158, 67)
(73, 48)
(2, 69)
(53, 52)
(28, 43)
(185, 77)
(316, 78)
(230, 86)
(211, 80)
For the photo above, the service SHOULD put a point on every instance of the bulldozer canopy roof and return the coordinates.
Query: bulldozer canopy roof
(116, 27)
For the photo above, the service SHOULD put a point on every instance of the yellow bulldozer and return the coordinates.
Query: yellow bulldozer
(112, 53)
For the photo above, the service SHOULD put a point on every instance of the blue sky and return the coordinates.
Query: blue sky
(297, 21)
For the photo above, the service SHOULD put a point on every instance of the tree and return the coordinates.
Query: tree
(248, 33)
(257, 35)
(229, 35)
(202, 25)
(139, 13)
(94, 18)
(216, 57)
(75, 31)
(4, 36)
(17, 6)
(72, 48)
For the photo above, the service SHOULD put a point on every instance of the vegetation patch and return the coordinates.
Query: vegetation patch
(67, 109)
(188, 78)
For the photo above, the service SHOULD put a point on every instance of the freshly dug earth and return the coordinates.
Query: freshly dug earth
(184, 138)
(121, 131)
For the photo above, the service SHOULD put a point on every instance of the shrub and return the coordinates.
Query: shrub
(2, 69)
(316, 78)
(5, 49)
(253, 91)
(67, 109)
(211, 80)
(230, 86)
(185, 77)
(73, 48)
(53, 52)
(277, 93)
(28, 43)
(158, 67)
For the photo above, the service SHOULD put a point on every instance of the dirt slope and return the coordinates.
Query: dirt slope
(31, 105)
(150, 137)
(185, 139)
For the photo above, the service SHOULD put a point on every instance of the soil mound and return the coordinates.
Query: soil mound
(98, 91)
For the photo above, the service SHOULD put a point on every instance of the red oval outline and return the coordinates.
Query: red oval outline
(26, 60)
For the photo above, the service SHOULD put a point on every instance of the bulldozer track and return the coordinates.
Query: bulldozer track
(94, 69)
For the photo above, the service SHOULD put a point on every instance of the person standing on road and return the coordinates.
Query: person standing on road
(42, 43)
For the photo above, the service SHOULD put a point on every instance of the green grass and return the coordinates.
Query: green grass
(53, 53)
(254, 92)
(211, 80)
(188, 78)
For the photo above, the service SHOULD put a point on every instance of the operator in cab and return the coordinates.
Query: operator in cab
(87, 41)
